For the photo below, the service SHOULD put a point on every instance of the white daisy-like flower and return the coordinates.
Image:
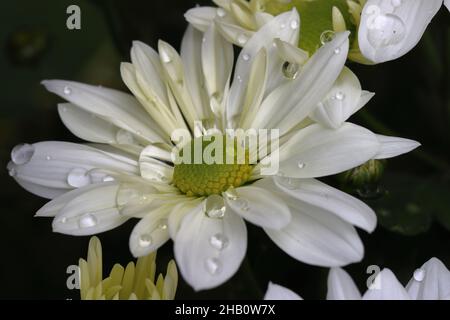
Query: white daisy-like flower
(429, 282)
(391, 28)
(128, 172)
(386, 29)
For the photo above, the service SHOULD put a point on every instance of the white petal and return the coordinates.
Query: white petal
(260, 207)
(217, 62)
(330, 199)
(290, 103)
(91, 212)
(342, 101)
(233, 33)
(317, 151)
(262, 39)
(430, 282)
(178, 213)
(87, 126)
(317, 237)
(201, 17)
(387, 30)
(393, 146)
(150, 232)
(341, 286)
(277, 292)
(65, 166)
(191, 55)
(386, 287)
(119, 108)
(205, 259)
(153, 169)
(447, 4)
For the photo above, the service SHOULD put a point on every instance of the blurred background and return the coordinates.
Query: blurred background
(411, 196)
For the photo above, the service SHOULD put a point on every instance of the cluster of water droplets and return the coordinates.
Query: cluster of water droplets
(384, 29)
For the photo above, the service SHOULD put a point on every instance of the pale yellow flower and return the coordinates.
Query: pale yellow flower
(135, 282)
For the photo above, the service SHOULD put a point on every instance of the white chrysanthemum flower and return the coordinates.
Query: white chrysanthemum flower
(389, 29)
(430, 282)
(128, 171)
(134, 282)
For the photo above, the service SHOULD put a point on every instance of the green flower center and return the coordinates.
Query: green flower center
(211, 165)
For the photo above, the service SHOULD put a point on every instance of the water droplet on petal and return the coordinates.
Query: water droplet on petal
(213, 266)
(282, 26)
(239, 78)
(327, 36)
(22, 153)
(108, 179)
(294, 24)
(340, 96)
(221, 12)
(67, 90)
(290, 70)
(419, 275)
(145, 240)
(48, 158)
(87, 221)
(78, 178)
(231, 194)
(124, 137)
(214, 207)
(162, 224)
(386, 30)
(301, 165)
(63, 220)
(218, 241)
(246, 57)
(242, 39)
(242, 204)
(337, 50)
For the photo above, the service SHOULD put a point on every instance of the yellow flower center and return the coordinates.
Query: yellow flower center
(210, 165)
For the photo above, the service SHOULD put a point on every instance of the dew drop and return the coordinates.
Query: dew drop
(213, 266)
(218, 241)
(327, 36)
(162, 224)
(239, 78)
(78, 178)
(246, 57)
(294, 24)
(337, 50)
(108, 179)
(124, 137)
(242, 39)
(242, 204)
(231, 194)
(339, 96)
(22, 153)
(282, 26)
(87, 221)
(386, 30)
(63, 220)
(301, 165)
(214, 207)
(290, 70)
(221, 12)
(67, 90)
(419, 275)
(48, 158)
(145, 240)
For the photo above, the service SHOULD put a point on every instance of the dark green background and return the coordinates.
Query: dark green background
(413, 196)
